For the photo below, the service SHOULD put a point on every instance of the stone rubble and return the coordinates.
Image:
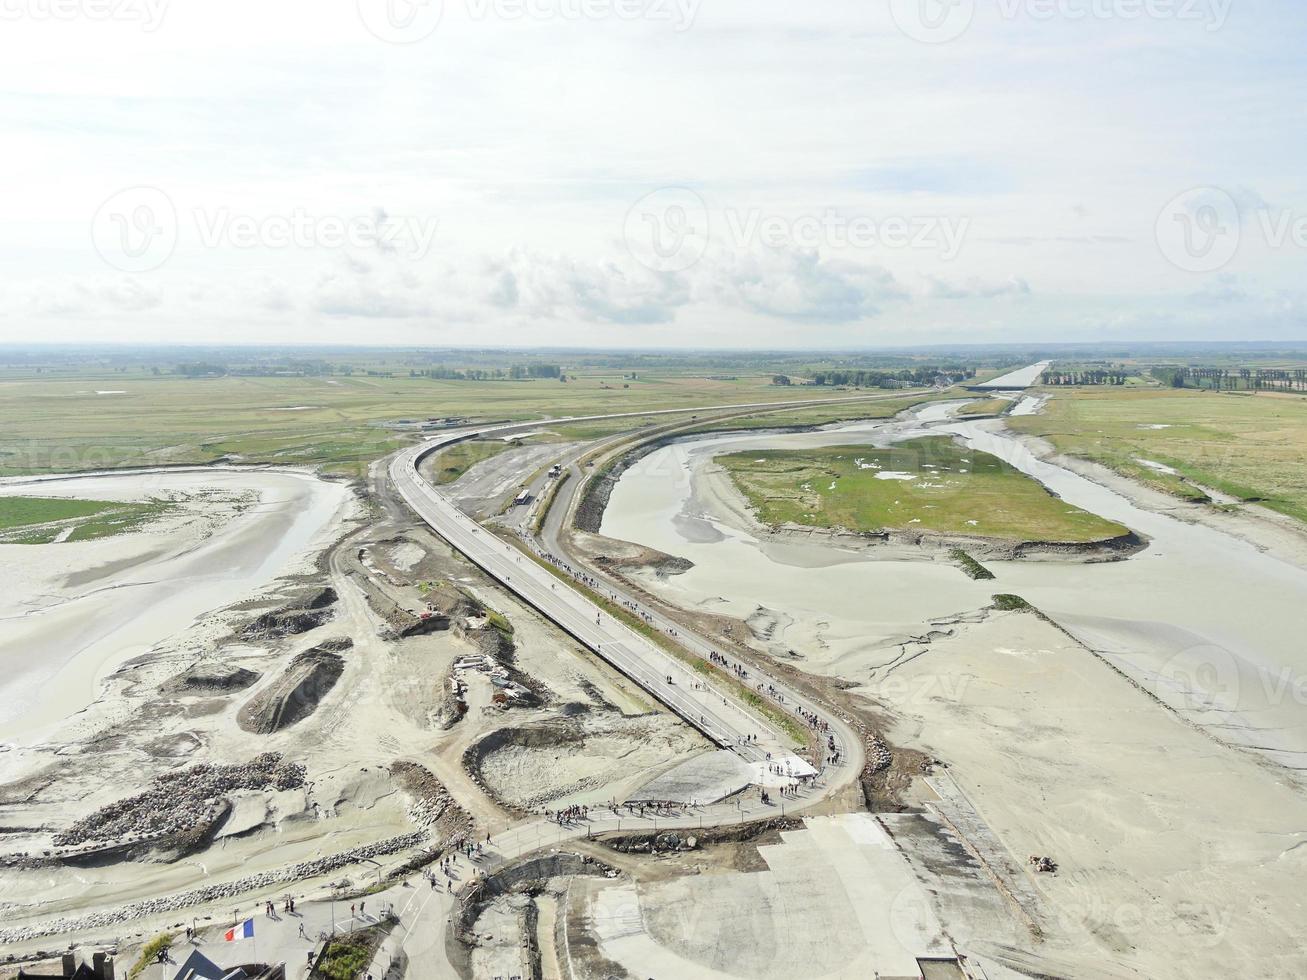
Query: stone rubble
(181, 801)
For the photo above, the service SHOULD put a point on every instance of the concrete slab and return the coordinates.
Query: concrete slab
(706, 778)
(837, 901)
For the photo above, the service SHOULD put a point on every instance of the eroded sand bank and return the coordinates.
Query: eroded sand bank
(75, 611)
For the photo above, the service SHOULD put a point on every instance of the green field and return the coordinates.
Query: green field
(337, 422)
(41, 520)
(1251, 447)
(453, 462)
(816, 415)
(944, 487)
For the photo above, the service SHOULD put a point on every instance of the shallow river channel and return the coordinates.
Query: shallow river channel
(1201, 618)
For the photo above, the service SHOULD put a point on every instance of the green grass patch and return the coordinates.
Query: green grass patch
(542, 512)
(452, 463)
(973, 568)
(43, 520)
(988, 407)
(1250, 446)
(1011, 603)
(345, 959)
(150, 954)
(930, 484)
(500, 622)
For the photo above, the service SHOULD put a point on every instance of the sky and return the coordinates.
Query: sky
(617, 173)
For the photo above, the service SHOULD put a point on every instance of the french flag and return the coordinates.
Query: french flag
(243, 931)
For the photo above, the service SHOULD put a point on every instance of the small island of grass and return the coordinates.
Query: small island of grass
(43, 520)
(931, 484)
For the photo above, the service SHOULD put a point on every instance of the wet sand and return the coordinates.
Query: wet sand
(1202, 619)
(74, 612)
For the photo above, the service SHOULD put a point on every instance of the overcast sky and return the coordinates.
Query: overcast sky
(652, 172)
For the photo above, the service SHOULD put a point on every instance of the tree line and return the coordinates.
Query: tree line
(1234, 379)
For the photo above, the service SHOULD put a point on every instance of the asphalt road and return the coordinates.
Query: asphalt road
(717, 714)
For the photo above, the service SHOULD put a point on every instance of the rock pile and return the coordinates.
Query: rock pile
(433, 808)
(307, 612)
(879, 757)
(180, 802)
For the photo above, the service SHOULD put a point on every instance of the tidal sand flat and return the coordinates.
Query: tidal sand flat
(74, 610)
(1203, 619)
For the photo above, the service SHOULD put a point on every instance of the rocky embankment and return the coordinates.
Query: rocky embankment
(212, 893)
(599, 488)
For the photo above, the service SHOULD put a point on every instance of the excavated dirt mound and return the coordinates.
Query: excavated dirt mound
(295, 695)
(305, 612)
(210, 678)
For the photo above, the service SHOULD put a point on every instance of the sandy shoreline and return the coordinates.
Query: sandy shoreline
(76, 611)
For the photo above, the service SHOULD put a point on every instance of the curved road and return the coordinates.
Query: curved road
(718, 714)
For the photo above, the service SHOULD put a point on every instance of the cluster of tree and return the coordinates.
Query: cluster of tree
(1236, 379)
(515, 372)
(200, 369)
(924, 375)
(1114, 376)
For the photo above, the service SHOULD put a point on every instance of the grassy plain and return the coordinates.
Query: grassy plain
(459, 458)
(64, 425)
(41, 520)
(929, 484)
(1249, 446)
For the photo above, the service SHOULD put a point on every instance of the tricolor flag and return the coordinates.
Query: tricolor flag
(243, 931)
